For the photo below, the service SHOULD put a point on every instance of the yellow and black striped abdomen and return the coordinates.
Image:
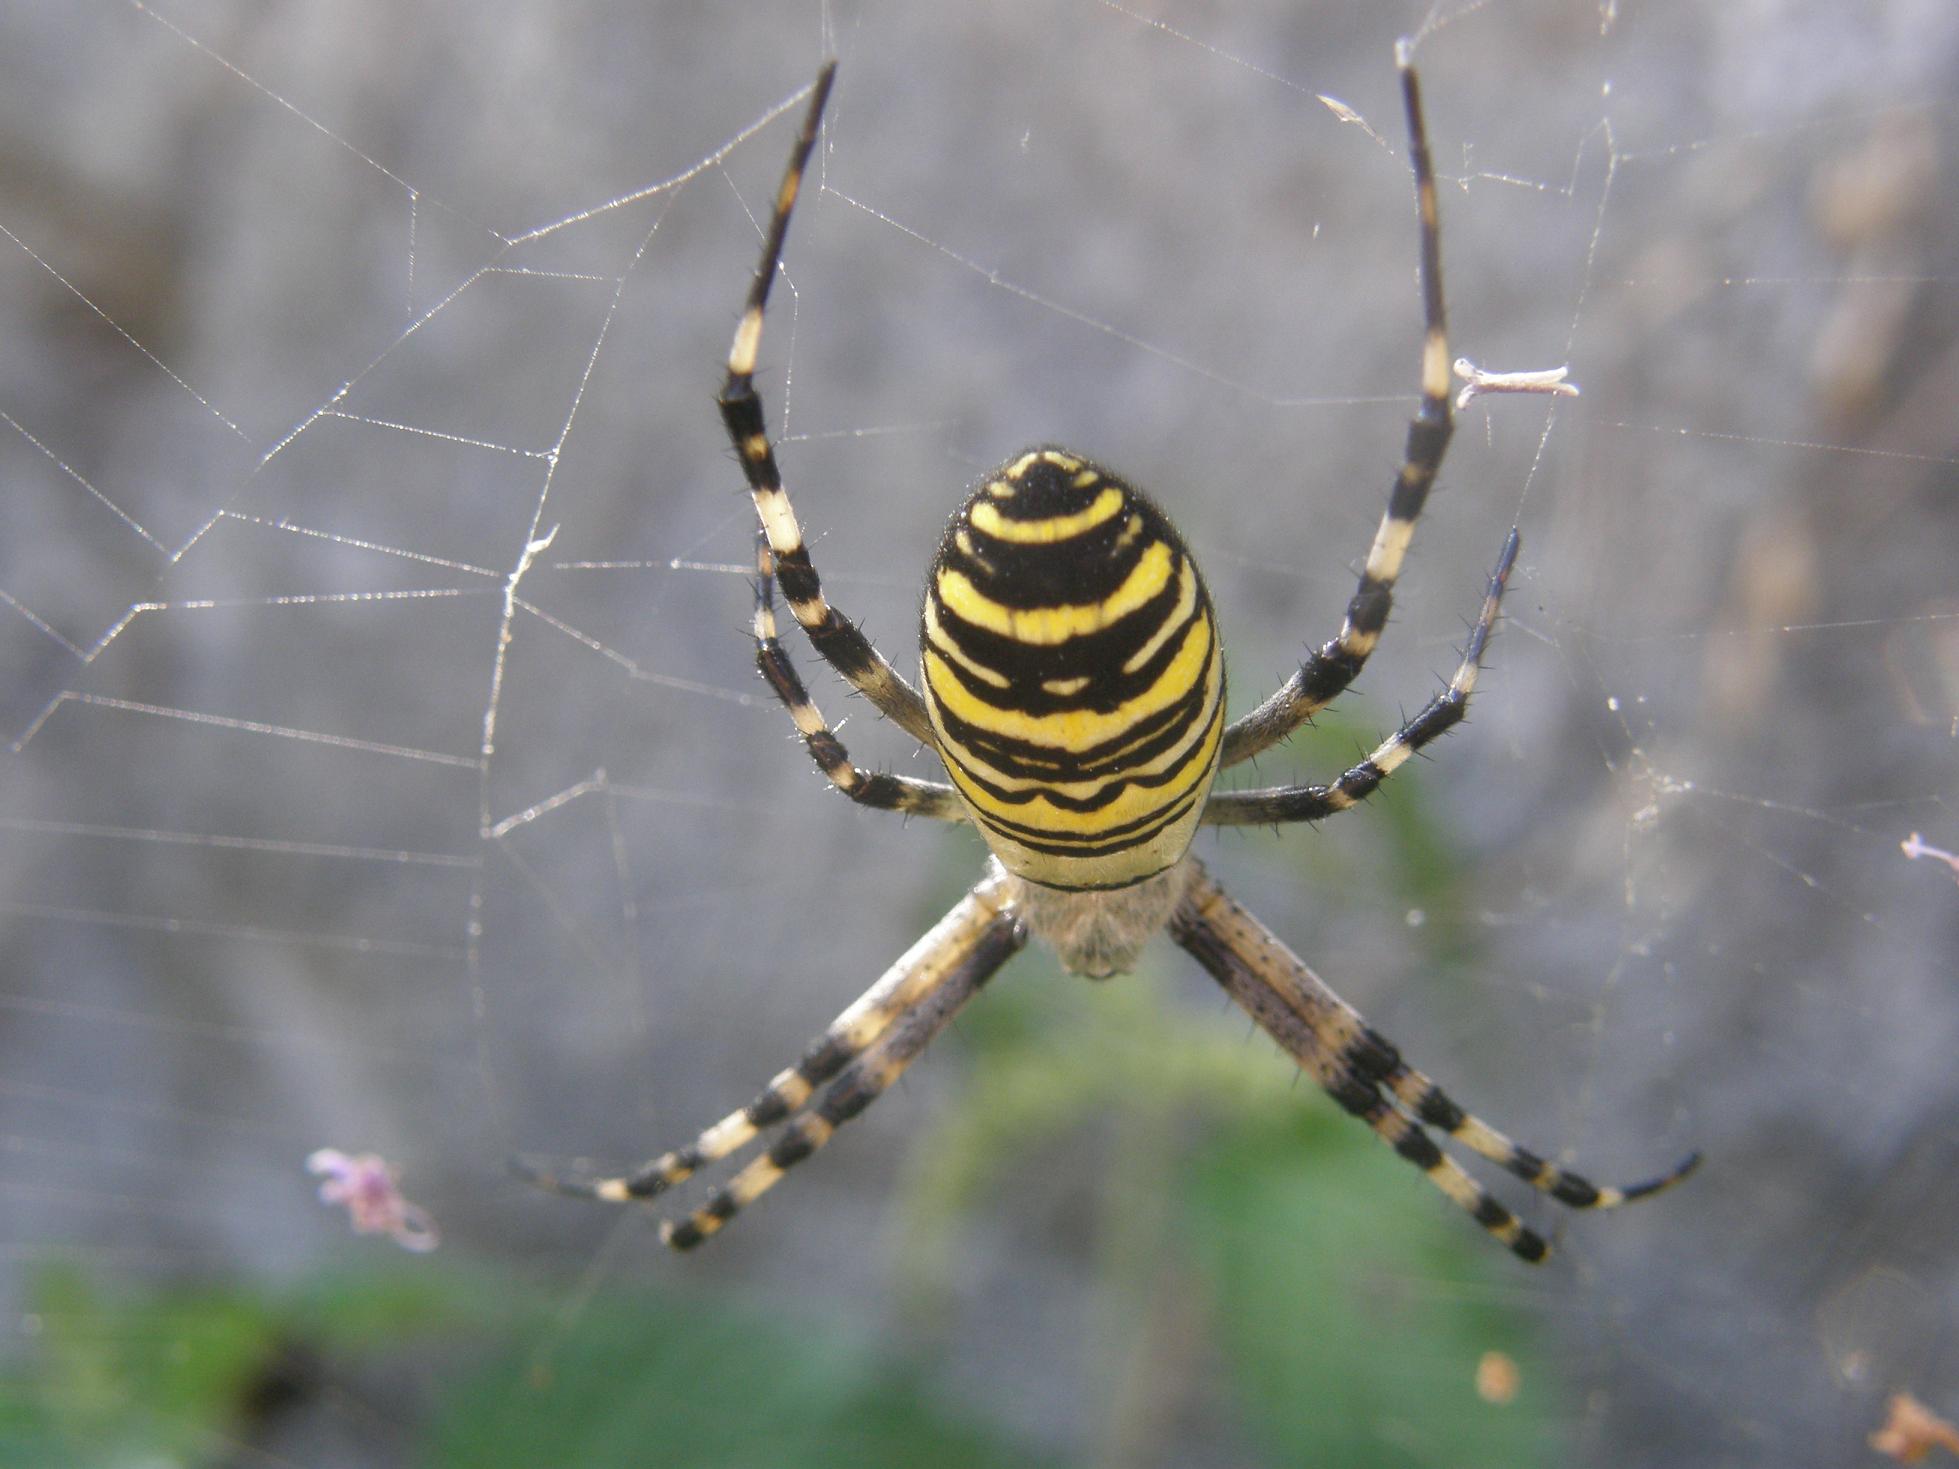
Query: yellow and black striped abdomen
(1072, 673)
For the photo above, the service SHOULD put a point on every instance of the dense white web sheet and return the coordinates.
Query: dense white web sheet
(386, 772)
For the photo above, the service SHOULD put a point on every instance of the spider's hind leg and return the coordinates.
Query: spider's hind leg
(863, 1050)
(1373, 1056)
(1362, 1072)
(868, 1075)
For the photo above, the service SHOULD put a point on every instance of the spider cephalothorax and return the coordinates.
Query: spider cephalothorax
(1074, 689)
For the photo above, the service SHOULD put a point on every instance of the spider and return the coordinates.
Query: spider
(1073, 685)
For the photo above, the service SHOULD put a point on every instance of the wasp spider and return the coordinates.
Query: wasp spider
(1073, 684)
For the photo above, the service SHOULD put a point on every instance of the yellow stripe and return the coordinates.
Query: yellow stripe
(748, 339)
(1435, 361)
(936, 636)
(1065, 462)
(1186, 603)
(987, 518)
(1047, 626)
(1194, 749)
(963, 539)
(753, 1181)
(778, 520)
(1135, 803)
(1077, 729)
(1390, 547)
(730, 1133)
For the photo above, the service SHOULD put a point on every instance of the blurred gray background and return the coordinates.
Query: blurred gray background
(313, 314)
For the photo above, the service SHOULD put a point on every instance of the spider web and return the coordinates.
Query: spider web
(386, 772)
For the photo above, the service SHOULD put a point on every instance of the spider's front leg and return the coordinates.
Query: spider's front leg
(836, 639)
(843, 1071)
(1328, 671)
(1356, 1066)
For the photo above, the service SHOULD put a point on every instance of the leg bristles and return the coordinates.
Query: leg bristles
(860, 1054)
(1364, 1073)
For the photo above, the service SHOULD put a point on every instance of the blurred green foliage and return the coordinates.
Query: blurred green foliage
(189, 1376)
(669, 1380)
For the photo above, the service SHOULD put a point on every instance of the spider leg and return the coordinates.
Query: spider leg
(1436, 717)
(836, 639)
(1353, 1064)
(862, 1082)
(882, 790)
(861, 1052)
(1426, 1102)
(1328, 671)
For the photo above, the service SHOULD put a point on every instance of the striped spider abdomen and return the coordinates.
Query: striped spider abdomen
(1072, 674)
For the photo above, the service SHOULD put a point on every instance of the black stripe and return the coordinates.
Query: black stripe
(1044, 489)
(1437, 1110)
(881, 792)
(1373, 1054)
(1098, 846)
(839, 643)
(1099, 655)
(828, 752)
(779, 672)
(767, 1110)
(688, 1158)
(1354, 1096)
(1081, 804)
(1575, 1191)
(791, 1148)
(1436, 717)
(1523, 1162)
(1368, 611)
(1101, 658)
(823, 1060)
(851, 1095)
(1428, 437)
(1359, 782)
(1327, 672)
(741, 413)
(1080, 568)
(1418, 1148)
(797, 576)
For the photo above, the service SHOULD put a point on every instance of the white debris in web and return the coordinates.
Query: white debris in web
(1478, 380)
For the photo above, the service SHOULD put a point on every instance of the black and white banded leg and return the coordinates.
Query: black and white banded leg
(879, 790)
(1328, 671)
(1362, 1072)
(864, 1050)
(1439, 715)
(836, 639)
